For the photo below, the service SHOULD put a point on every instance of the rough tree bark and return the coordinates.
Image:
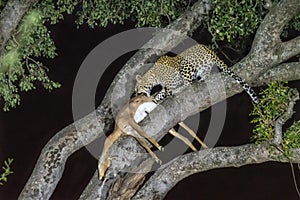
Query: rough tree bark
(50, 165)
(263, 61)
(183, 100)
(168, 175)
(267, 52)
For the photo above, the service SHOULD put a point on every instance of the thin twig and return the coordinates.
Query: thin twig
(286, 116)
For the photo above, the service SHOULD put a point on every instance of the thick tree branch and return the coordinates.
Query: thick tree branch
(10, 17)
(198, 98)
(50, 165)
(266, 46)
(268, 33)
(171, 173)
(189, 100)
(283, 72)
(183, 166)
(289, 49)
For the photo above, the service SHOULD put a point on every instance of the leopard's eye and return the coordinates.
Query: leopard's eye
(143, 93)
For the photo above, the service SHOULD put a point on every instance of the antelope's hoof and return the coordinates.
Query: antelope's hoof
(161, 148)
(158, 161)
(100, 177)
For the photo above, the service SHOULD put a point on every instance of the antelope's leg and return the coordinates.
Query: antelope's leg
(104, 160)
(145, 135)
(192, 133)
(144, 144)
(184, 139)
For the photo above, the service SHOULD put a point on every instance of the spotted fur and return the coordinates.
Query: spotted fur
(165, 72)
(194, 63)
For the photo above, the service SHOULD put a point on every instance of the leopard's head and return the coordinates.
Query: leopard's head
(142, 86)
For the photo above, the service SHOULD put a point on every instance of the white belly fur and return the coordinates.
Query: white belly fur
(143, 110)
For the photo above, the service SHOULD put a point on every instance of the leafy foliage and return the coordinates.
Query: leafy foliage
(102, 12)
(152, 13)
(18, 69)
(235, 19)
(273, 103)
(7, 170)
(291, 138)
(53, 10)
(232, 21)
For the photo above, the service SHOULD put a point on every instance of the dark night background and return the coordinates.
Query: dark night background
(25, 130)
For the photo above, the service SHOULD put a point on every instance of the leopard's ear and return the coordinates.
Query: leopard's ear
(138, 78)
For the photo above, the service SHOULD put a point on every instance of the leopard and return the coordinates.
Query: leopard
(173, 72)
(165, 73)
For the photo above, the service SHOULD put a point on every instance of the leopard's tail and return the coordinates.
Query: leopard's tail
(227, 72)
